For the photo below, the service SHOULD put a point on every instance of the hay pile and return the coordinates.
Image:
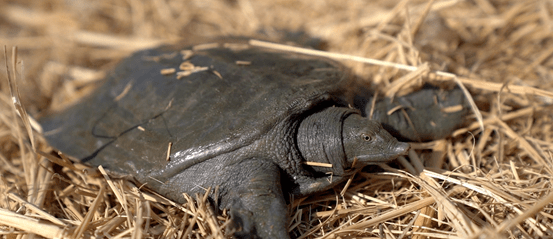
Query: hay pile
(492, 178)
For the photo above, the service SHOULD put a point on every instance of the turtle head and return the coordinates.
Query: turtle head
(367, 141)
(339, 136)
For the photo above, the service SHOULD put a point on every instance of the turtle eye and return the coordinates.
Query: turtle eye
(366, 137)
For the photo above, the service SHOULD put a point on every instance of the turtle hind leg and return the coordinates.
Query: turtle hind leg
(255, 201)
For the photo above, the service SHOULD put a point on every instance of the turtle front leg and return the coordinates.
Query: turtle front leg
(428, 114)
(254, 197)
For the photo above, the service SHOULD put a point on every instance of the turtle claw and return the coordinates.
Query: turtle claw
(241, 225)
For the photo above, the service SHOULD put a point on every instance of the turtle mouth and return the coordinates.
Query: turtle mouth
(397, 150)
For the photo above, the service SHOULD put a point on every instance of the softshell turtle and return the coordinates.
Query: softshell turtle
(244, 119)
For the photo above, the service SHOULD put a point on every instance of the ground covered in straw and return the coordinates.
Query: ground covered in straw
(491, 179)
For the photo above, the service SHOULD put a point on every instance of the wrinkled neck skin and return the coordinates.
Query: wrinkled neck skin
(319, 139)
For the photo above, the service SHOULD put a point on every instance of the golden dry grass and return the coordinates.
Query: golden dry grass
(491, 179)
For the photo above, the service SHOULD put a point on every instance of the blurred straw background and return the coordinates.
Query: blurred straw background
(491, 179)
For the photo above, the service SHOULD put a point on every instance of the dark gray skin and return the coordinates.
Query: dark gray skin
(249, 132)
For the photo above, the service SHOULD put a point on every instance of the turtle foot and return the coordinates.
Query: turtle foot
(425, 115)
(255, 200)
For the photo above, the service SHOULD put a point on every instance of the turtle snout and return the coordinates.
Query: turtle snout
(400, 148)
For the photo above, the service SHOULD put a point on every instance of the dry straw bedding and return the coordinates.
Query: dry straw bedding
(492, 178)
